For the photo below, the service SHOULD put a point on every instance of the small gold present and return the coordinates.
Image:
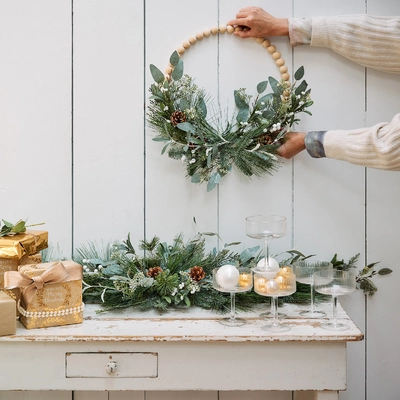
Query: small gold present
(7, 314)
(51, 293)
(20, 249)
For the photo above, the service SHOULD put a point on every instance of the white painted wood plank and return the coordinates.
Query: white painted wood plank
(127, 395)
(171, 199)
(90, 395)
(35, 114)
(35, 395)
(108, 120)
(175, 395)
(255, 395)
(243, 64)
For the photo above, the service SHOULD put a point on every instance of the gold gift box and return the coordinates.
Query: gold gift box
(20, 249)
(7, 315)
(51, 293)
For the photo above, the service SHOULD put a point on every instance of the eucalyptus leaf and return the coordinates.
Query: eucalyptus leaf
(301, 88)
(215, 178)
(183, 104)
(202, 107)
(262, 86)
(177, 73)
(157, 75)
(243, 115)
(186, 127)
(265, 99)
(174, 59)
(112, 270)
(275, 85)
(299, 73)
(385, 271)
(165, 148)
(240, 101)
(196, 178)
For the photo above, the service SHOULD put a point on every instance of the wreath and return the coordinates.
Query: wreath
(209, 148)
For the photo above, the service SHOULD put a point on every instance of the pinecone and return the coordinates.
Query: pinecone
(197, 273)
(265, 139)
(153, 272)
(177, 117)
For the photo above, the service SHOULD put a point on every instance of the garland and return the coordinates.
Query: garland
(208, 147)
(180, 275)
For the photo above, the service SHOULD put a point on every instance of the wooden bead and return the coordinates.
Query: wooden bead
(285, 76)
(276, 55)
(180, 50)
(214, 30)
(280, 62)
(271, 49)
(186, 44)
(266, 43)
(223, 28)
(230, 29)
(193, 40)
(207, 32)
(259, 40)
(199, 35)
(168, 70)
(238, 28)
(283, 69)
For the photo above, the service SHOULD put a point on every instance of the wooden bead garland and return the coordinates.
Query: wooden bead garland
(276, 55)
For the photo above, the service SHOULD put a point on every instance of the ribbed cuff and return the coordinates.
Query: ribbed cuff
(300, 30)
(314, 142)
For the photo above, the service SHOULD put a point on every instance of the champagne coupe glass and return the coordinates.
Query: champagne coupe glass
(265, 227)
(282, 284)
(304, 271)
(335, 283)
(230, 279)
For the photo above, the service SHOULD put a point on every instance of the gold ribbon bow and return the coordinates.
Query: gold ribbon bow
(14, 279)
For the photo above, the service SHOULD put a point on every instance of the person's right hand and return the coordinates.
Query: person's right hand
(255, 22)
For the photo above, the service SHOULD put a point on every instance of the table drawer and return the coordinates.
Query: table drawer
(111, 365)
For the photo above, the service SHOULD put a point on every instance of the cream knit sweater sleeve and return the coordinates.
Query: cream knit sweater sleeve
(372, 42)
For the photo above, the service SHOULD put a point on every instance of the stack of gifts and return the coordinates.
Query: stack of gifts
(51, 293)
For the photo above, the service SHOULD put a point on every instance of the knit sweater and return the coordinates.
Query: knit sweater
(370, 41)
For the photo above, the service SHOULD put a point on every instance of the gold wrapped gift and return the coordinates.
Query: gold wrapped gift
(51, 293)
(7, 315)
(11, 264)
(21, 244)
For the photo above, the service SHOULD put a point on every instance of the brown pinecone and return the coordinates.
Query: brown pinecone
(197, 273)
(265, 139)
(153, 272)
(177, 117)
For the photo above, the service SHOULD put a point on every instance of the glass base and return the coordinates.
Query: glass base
(339, 326)
(275, 328)
(269, 314)
(313, 314)
(233, 321)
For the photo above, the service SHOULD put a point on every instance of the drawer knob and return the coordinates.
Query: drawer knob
(111, 367)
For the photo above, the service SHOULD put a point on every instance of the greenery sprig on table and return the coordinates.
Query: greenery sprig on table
(180, 275)
(10, 229)
(209, 146)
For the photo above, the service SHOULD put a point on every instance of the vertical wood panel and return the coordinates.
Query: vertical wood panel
(255, 395)
(89, 395)
(171, 199)
(186, 395)
(243, 64)
(127, 395)
(108, 120)
(35, 115)
(36, 395)
(329, 194)
(383, 218)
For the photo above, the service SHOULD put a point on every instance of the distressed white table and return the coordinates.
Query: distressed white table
(181, 350)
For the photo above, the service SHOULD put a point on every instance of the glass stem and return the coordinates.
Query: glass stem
(233, 310)
(274, 305)
(312, 297)
(334, 311)
(266, 252)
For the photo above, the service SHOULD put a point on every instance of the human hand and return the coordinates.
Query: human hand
(255, 22)
(294, 144)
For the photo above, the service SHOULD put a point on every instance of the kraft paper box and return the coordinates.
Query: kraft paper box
(51, 293)
(7, 315)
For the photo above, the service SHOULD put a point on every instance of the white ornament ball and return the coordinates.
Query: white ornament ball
(227, 276)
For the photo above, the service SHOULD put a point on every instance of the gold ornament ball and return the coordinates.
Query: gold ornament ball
(272, 286)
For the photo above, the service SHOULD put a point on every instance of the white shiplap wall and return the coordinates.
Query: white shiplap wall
(77, 155)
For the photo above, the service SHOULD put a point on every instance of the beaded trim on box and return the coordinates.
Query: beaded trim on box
(46, 314)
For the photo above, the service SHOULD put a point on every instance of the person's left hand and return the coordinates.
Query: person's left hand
(294, 144)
